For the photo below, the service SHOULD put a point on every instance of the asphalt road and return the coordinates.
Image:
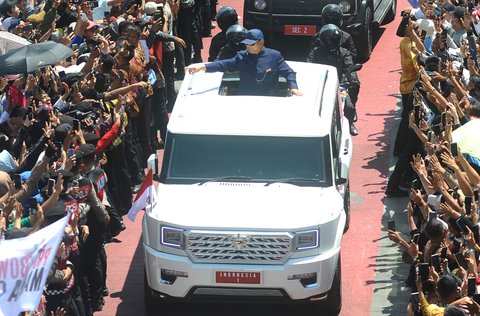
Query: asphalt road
(372, 270)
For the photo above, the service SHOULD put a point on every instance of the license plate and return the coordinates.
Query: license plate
(302, 30)
(237, 277)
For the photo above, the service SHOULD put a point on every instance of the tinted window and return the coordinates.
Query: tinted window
(193, 158)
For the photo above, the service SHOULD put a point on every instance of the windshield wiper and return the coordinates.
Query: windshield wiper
(226, 178)
(290, 180)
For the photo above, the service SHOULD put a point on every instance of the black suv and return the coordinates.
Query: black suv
(285, 18)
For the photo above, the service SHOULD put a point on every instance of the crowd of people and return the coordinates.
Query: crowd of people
(75, 136)
(438, 152)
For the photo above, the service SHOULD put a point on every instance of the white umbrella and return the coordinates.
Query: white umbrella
(10, 41)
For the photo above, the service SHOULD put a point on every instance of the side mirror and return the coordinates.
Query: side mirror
(152, 163)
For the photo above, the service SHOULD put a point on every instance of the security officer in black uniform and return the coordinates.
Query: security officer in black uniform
(235, 35)
(329, 52)
(259, 67)
(226, 17)
(93, 211)
(333, 14)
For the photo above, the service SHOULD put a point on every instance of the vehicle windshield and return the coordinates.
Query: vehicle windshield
(201, 158)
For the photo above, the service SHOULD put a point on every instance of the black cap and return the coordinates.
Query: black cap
(61, 132)
(91, 138)
(432, 63)
(459, 12)
(85, 150)
(56, 212)
(83, 106)
(449, 7)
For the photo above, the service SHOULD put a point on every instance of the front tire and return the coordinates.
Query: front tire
(365, 39)
(346, 207)
(152, 303)
(333, 304)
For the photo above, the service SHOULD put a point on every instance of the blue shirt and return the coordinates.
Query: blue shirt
(258, 72)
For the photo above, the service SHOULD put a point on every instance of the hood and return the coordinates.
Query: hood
(246, 205)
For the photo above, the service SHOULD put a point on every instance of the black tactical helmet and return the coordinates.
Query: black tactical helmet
(332, 14)
(330, 36)
(236, 34)
(226, 17)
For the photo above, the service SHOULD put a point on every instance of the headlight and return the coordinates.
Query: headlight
(306, 240)
(172, 237)
(260, 5)
(345, 6)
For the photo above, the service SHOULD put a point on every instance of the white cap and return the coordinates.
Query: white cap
(152, 7)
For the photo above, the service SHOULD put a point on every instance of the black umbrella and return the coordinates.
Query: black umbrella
(32, 57)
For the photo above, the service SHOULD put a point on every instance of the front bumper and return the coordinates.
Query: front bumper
(274, 282)
(273, 25)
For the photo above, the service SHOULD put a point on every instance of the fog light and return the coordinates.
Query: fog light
(345, 6)
(260, 4)
(306, 279)
(169, 272)
(170, 276)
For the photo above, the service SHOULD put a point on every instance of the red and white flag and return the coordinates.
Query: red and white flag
(146, 196)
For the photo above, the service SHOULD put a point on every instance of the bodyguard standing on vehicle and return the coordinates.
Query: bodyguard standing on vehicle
(259, 67)
(329, 52)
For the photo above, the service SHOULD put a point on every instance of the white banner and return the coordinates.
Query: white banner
(24, 266)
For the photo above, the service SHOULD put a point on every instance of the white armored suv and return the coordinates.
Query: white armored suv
(253, 197)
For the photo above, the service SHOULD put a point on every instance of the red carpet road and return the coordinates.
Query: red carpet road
(376, 106)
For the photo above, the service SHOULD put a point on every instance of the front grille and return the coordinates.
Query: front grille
(304, 7)
(241, 248)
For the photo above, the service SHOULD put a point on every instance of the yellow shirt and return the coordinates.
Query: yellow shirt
(410, 68)
(430, 309)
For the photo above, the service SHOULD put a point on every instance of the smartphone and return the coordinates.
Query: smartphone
(443, 37)
(391, 225)
(17, 181)
(476, 233)
(416, 184)
(432, 215)
(435, 259)
(415, 238)
(70, 152)
(462, 225)
(423, 271)
(468, 205)
(416, 113)
(415, 301)
(76, 124)
(443, 252)
(429, 136)
(454, 149)
(475, 194)
(472, 286)
(461, 260)
(423, 35)
(443, 119)
(472, 48)
(32, 202)
(50, 186)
